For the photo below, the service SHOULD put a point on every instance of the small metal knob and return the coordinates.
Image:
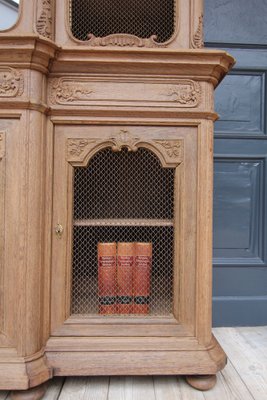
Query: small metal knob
(59, 231)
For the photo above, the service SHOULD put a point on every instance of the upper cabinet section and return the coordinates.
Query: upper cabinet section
(113, 23)
(109, 22)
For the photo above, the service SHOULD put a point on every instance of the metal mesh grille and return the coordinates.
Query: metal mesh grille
(122, 197)
(124, 185)
(136, 17)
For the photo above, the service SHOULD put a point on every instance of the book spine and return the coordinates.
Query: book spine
(107, 280)
(142, 278)
(125, 265)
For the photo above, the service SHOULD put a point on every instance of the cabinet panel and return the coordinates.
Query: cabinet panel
(91, 207)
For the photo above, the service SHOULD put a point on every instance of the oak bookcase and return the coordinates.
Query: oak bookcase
(106, 134)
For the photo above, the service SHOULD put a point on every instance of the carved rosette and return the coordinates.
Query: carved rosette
(2, 145)
(11, 82)
(197, 40)
(186, 93)
(44, 24)
(80, 150)
(123, 40)
(65, 91)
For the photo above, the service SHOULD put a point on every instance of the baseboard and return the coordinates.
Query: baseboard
(239, 311)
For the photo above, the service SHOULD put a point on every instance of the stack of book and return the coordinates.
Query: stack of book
(124, 275)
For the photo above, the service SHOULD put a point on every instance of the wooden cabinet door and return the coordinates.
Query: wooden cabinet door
(174, 152)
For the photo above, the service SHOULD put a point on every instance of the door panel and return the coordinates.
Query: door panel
(240, 174)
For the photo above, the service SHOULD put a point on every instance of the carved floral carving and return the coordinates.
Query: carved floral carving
(123, 40)
(44, 24)
(186, 93)
(197, 40)
(2, 144)
(77, 146)
(64, 91)
(173, 148)
(11, 82)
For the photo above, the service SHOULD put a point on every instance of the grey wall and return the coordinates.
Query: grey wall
(240, 164)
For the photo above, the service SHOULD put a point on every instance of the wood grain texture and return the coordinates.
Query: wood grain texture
(60, 103)
(85, 389)
(201, 382)
(131, 388)
(250, 362)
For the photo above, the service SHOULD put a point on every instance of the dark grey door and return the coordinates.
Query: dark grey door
(240, 164)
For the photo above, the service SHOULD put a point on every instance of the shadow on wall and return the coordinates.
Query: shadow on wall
(8, 13)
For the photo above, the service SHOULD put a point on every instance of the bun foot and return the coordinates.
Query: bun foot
(201, 382)
(35, 393)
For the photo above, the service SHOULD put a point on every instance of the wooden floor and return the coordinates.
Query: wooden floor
(244, 377)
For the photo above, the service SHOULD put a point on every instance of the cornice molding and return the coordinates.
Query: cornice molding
(195, 64)
(27, 52)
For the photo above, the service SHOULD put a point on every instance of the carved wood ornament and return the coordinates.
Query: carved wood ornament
(11, 82)
(122, 40)
(186, 93)
(80, 151)
(44, 24)
(70, 91)
(65, 91)
(197, 40)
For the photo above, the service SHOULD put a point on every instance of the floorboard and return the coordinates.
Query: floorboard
(249, 361)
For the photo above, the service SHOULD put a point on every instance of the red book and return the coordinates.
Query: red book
(125, 265)
(142, 278)
(107, 280)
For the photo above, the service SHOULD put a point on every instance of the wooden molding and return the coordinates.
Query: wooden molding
(205, 65)
(2, 144)
(80, 151)
(11, 82)
(27, 52)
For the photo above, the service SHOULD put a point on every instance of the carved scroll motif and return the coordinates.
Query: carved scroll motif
(124, 139)
(2, 145)
(123, 40)
(197, 40)
(186, 93)
(11, 82)
(44, 24)
(65, 91)
(80, 150)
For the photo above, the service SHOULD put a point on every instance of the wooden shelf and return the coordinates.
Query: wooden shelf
(123, 222)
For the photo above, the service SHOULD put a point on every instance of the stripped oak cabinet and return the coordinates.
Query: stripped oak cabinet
(106, 134)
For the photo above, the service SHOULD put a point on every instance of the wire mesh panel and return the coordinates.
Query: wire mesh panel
(123, 197)
(124, 185)
(136, 17)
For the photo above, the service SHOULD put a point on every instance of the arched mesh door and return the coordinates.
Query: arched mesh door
(122, 197)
